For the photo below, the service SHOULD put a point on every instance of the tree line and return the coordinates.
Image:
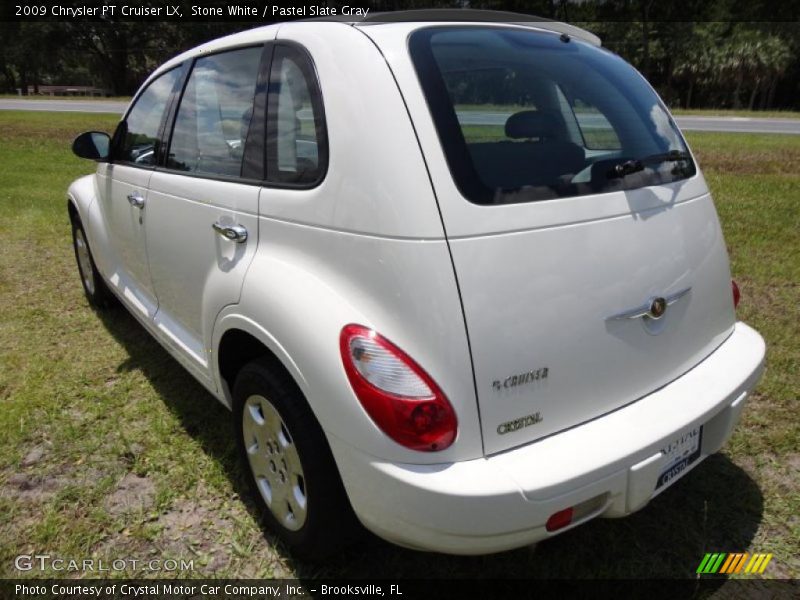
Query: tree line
(722, 54)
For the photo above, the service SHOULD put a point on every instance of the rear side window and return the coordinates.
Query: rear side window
(297, 143)
(596, 131)
(523, 115)
(140, 142)
(215, 113)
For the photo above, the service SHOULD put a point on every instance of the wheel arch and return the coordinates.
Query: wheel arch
(238, 341)
(80, 196)
(72, 209)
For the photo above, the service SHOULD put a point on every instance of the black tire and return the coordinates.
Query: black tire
(324, 523)
(94, 286)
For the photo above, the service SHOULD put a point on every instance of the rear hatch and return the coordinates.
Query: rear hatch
(572, 207)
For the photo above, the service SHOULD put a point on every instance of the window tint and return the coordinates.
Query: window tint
(214, 114)
(523, 115)
(296, 138)
(596, 130)
(140, 143)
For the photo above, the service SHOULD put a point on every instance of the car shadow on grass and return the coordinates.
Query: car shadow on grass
(715, 508)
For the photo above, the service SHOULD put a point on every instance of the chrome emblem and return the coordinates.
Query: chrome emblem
(517, 424)
(513, 381)
(655, 308)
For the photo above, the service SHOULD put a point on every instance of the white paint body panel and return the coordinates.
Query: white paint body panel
(195, 271)
(387, 241)
(128, 272)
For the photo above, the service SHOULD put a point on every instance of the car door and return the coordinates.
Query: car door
(122, 194)
(202, 205)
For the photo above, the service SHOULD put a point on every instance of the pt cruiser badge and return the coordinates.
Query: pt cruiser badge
(520, 379)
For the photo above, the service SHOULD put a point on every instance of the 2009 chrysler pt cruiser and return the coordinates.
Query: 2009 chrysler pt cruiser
(460, 281)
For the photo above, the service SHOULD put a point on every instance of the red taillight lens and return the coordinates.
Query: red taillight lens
(736, 294)
(397, 394)
(560, 519)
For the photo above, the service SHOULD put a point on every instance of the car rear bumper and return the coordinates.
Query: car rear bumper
(606, 467)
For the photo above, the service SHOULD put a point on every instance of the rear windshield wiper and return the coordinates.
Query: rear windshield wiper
(637, 164)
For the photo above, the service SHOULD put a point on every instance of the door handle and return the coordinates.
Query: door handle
(136, 200)
(234, 233)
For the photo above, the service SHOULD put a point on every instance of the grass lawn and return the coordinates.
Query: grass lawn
(109, 449)
(727, 112)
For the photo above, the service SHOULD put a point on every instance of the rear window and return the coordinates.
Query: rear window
(525, 115)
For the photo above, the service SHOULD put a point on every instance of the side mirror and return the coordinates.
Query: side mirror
(93, 145)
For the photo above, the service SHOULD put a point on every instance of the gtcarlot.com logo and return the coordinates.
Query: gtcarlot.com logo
(46, 562)
(723, 563)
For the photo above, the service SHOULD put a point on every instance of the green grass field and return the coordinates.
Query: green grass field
(109, 449)
(728, 112)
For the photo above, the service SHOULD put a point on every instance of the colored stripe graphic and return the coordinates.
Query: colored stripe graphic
(727, 564)
(758, 563)
(723, 563)
(703, 563)
(711, 562)
(765, 563)
(737, 566)
(734, 562)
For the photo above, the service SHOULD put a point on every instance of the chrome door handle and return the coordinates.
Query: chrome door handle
(234, 233)
(136, 200)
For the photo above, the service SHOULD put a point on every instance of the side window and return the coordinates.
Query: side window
(597, 132)
(297, 144)
(140, 144)
(214, 114)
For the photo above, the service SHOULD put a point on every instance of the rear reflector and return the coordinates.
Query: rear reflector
(560, 519)
(736, 294)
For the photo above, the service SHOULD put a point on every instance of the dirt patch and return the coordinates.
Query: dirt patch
(133, 494)
(195, 528)
(29, 487)
(34, 455)
(32, 487)
(793, 463)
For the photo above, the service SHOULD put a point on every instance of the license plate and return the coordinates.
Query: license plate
(679, 453)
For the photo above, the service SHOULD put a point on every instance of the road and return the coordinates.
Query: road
(688, 123)
(84, 106)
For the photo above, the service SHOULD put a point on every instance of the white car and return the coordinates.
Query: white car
(459, 280)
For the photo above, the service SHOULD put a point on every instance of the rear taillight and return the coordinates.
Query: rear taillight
(397, 394)
(736, 294)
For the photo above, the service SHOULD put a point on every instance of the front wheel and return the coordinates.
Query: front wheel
(289, 465)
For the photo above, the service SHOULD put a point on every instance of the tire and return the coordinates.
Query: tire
(288, 464)
(94, 286)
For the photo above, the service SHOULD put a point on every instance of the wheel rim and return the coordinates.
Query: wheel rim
(84, 261)
(275, 462)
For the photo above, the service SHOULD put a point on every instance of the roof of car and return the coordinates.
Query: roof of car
(455, 15)
(465, 15)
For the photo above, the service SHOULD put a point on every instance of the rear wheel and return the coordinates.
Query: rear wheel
(96, 290)
(289, 465)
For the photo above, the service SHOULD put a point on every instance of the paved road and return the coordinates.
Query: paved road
(695, 123)
(729, 124)
(85, 106)
(740, 124)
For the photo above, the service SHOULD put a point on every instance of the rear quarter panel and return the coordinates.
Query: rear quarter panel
(365, 246)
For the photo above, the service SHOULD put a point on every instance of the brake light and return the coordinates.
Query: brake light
(399, 396)
(736, 294)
